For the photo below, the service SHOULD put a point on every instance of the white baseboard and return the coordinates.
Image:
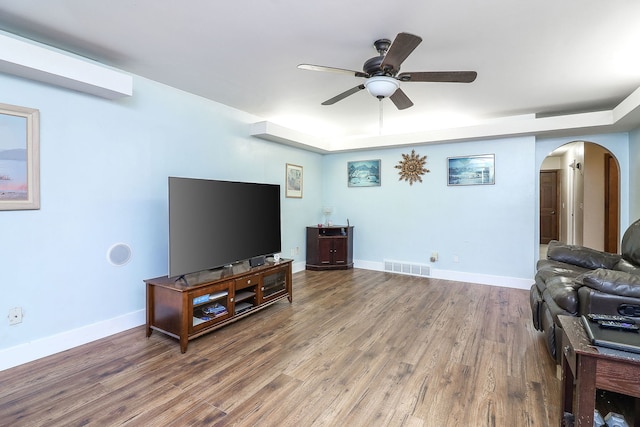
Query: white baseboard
(47, 346)
(482, 279)
(298, 266)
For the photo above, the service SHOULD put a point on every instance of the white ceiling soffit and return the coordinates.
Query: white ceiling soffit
(29, 60)
(622, 118)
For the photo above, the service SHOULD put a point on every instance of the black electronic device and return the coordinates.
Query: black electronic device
(611, 338)
(609, 318)
(629, 310)
(622, 326)
(216, 223)
(257, 261)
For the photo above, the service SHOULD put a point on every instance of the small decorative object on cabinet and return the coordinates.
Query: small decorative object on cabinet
(330, 248)
(219, 297)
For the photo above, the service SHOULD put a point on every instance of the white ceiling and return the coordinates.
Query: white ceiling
(544, 57)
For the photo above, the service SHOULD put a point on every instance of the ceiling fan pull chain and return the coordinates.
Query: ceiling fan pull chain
(380, 124)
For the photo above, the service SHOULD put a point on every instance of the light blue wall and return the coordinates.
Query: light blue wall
(634, 175)
(490, 228)
(104, 168)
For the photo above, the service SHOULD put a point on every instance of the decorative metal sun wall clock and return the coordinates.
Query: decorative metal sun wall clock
(412, 167)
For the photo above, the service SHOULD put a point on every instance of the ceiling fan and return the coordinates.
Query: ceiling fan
(382, 73)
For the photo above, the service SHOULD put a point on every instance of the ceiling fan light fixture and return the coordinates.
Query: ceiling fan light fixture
(381, 86)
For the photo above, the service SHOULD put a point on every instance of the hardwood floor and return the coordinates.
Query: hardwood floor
(355, 348)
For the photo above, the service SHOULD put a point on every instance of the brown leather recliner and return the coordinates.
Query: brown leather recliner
(575, 280)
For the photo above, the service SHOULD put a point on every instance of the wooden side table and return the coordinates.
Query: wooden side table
(593, 369)
(330, 247)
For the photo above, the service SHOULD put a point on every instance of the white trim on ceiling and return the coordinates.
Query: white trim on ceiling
(30, 60)
(624, 117)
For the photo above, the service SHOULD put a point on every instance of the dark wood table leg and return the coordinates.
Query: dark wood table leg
(184, 342)
(149, 309)
(585, 391)
(567, 389)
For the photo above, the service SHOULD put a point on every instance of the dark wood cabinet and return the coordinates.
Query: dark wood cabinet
(329, 248)
(202, 302)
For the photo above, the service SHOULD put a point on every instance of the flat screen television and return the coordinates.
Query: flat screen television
(216, 223)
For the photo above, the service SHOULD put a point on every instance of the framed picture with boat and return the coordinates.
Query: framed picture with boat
(19, 158)
(471, 170)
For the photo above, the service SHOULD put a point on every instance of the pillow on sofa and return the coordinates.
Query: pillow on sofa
(564, 292)
(612, 282)
(581, 256)
(630, 246)
(627, 267)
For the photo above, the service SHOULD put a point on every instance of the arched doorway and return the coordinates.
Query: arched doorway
(580, 197)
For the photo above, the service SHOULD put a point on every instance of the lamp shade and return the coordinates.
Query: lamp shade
(381, 86)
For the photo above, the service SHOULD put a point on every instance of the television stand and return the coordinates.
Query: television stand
(216, 298)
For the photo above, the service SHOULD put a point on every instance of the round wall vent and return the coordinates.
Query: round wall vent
(119, 254)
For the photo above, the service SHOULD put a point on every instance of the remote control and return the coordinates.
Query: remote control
(619, 325)
(608, 318)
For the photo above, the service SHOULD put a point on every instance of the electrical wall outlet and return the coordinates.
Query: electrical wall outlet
(434, 257)
(15, 315)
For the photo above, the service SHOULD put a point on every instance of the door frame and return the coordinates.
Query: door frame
(611, 203)
(568, 203)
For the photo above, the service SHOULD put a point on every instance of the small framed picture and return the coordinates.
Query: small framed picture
(363, 173)
(471, 170)
(294, 181)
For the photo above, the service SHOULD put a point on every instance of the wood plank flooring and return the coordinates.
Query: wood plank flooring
(355, 348)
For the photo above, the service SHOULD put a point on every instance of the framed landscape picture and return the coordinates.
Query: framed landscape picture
(363, 173)
(294, 181)
(19, 158)
(471, 170)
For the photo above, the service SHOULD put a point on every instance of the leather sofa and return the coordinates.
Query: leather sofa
(576, 280)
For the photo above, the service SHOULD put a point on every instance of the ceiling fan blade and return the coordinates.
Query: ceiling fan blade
(400, 49)
(401, 100)
(343, 95)
(332, 70)
(439, 76)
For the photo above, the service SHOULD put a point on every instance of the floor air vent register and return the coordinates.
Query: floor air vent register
(403, 267)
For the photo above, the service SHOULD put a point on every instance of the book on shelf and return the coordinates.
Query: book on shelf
(201, 299)
(215, 309)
